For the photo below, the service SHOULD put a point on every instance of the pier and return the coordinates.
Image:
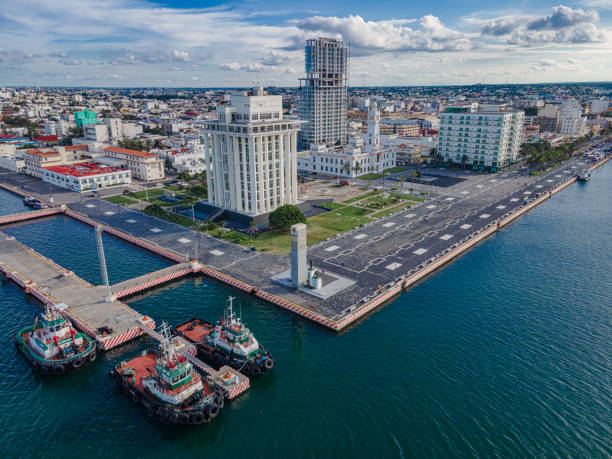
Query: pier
(405, 249)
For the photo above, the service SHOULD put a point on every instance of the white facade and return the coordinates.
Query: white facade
(143, 166)
(354, 159)
(96, 132)
(572, 123)
(323, 93)
(599, 106)
(58, 128)
(10, 158)
(86, 176)
(251, 154)
(487, 135)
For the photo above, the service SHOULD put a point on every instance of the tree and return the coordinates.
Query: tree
(531, 111)
(402, 178)
(286, 216)
(135, 144)
(198, 191)
(252, 229)
(357, 167)
(347, 167)
(464, 159)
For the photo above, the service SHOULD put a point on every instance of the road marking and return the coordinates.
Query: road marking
(446, 237)
(331, 248)
(360, 236)
(479, 186)
(484, 216)
(501, 207)
(216, 252)
(420, 251)
(394, 266)
(549, 181)
(527, 192)
(558, 176)
(450, 199)
(492, 181)
(514, 199)
(156, 230)
(466, 226)
(539, 186)
(131, 220)
(465, 192)
(89, 205)
(184, 240)
(387, 225)
(410, 215)
(109, 213)
(431, 207)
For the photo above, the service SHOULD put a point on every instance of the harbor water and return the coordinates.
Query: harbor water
(505, 352)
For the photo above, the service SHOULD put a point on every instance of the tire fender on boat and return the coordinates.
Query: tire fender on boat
(197, 418)
(269, 363)
(58, 369)
(212, 410)
(44, 369)
(135, 397)
(92, 356)
(78, 363)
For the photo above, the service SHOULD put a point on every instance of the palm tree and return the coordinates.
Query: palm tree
(402, 178)
(357, 168)
(464, 159)
(384, 174)
(252, 229)
(347, 167)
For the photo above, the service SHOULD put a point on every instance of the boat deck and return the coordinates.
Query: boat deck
(195, 330)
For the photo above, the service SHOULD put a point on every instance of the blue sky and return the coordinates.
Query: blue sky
(208, 43)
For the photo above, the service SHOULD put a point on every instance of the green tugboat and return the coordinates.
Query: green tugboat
(53, 346)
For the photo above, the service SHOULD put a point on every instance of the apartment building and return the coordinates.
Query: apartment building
(483, 136)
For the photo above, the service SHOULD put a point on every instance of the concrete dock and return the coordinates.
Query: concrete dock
(109, 323)
(382, 258)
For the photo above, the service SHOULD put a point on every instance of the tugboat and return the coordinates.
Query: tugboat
(229, 342)
(584, 176)
(54, 346)
(166, 384)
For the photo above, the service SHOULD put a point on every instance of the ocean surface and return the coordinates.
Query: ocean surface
(507, 352)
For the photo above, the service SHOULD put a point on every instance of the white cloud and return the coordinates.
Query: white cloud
(564, 25)
(368, 37)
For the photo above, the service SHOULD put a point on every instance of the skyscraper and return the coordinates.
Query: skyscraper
(251, 154)
(323, 93)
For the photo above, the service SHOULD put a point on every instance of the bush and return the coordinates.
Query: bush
(286, 216)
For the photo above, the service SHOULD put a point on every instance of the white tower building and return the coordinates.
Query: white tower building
(373, 136)
(251, 154)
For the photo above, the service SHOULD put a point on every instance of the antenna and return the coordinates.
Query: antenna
(109, 296)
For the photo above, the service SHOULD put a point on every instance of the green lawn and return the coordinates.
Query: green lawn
(332, 205)
(121, 200)
(173, 187)
(151, 193)
(380, 202)
(393, 170)
(406, 196)
(370, 176)
(363, 196)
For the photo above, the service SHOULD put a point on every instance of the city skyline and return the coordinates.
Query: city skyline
(127, 43)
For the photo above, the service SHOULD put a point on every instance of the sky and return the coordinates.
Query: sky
(194, 43)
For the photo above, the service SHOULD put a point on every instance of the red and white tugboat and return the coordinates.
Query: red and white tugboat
(53, 345)
(166, 384)
(229, 342)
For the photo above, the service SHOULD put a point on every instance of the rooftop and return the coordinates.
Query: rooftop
(83, 169)
(127, 151)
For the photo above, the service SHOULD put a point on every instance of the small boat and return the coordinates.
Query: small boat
(167, 385)
(54, 346)
(29, 201)
(229, 342)
(38, 204)
(584, 176)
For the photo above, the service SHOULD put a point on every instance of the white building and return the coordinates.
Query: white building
(483, 136)
(190, 159)
(144, 166)
(85, 176)
(11, 159)
(251, 154)
(59, 128)
(572, 123)
(599, 106)
(323, 93)
(96, 132)
(355, 158)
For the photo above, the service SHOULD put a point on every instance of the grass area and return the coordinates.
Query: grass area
(332, 205)
(172, 187)
(406, 196)
(363, 196)
(392, 210)
(320, 227)
(121, 200)
(380, 202)
(393, 170)
(370, 176)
